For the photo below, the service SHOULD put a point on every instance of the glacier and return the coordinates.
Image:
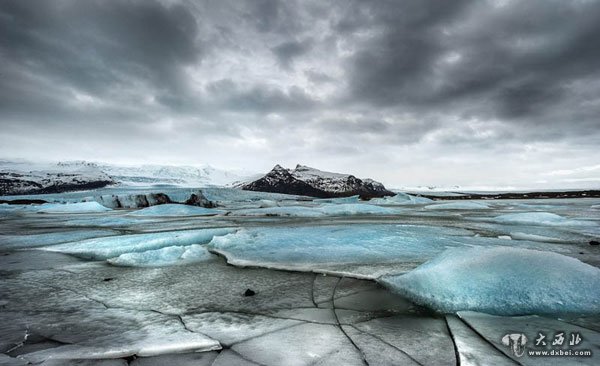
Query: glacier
(503, 281)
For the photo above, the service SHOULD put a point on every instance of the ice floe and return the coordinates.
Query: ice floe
(310, 248)
(458, 206)
(111, 247)
(539, 218)
(79, 207)
(401, 199)
(343, 209)
(502, 280)
(171, 209)
(163, 257)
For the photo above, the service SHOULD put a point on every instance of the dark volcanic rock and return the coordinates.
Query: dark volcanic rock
(40, 182)
(198, 199)
(133, 200)
(594, 242)
(249, 292)
(308, 181)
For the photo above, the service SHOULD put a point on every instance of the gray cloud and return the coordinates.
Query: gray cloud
(406, 84)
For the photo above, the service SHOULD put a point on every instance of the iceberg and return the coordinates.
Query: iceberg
(80, 207)
(343, 209)
(171, 209)
(110, 247)
(458, 206)
(295, 211)
(163, 257)
(502, 281)
(539, 218)
(401, 199)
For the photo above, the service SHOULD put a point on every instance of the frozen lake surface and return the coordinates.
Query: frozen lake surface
(270, 279)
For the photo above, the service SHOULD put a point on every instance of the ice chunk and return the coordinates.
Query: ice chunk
(176, 210)
(401, 199)
(502, 280)
(458, 206)
(539, 218)
(110, 247)
(517, 235)
(163, 257)
(37, 240)
(296, 211)
(356, 209)
(343, 209)
(80, 207)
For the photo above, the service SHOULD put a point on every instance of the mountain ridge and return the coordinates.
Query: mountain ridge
(307, 181)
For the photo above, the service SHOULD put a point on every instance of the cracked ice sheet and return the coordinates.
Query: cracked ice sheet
(305, 344)
(493, 328)
(360, 250)
(472, 349)
(424, 339)
(111, 333)
(231, 327)
(205, 286)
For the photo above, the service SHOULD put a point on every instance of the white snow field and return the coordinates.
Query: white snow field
(274, 279)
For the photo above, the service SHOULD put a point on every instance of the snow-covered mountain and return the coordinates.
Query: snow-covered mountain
(184, 176)
(19, 177)
(22, 177)
(307, 181)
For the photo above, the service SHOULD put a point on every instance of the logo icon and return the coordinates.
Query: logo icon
(516, 342)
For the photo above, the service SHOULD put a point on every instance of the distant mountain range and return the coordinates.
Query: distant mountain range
(307, 181)
(22, 177)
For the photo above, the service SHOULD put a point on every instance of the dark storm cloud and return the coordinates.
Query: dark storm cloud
(97, 46)
(288, 51)
(336, 78)
(516, 61)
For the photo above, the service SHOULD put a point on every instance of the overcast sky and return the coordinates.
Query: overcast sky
(410, 92)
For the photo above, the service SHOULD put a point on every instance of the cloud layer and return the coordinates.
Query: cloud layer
(413, 92)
